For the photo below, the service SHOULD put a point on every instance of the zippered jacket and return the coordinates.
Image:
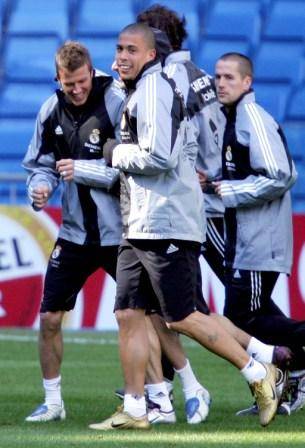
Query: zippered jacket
(90, 211)
(258, 172)
(160, 194)
(198, 90)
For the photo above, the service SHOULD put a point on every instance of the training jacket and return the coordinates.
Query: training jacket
(160, 194)
(90, 211)
(258, 173)
(199, 92)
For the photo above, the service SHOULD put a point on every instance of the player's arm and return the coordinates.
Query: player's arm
(269, 158)
(39, 161)
(159, 133)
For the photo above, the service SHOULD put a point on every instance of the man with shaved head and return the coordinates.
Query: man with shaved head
(162, 208)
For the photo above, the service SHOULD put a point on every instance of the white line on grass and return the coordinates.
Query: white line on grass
(74, 340)
(71, 340)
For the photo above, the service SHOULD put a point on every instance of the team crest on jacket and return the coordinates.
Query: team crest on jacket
(56, 252)
(229, 156)
(94, 137)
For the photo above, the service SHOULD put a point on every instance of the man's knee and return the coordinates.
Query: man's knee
(50, 322)
(128, 317)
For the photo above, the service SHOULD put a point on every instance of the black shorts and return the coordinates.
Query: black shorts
(214, 247)
(165, 273)
(247, 294)
(69, 267)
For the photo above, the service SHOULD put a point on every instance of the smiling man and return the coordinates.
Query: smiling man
(162, 209)
(67, 147)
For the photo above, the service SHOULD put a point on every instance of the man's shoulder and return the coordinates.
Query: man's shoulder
(48, 107)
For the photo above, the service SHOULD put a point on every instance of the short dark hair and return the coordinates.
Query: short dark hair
(245, 63)
(158, 16)
(71, 56)
(144, 29)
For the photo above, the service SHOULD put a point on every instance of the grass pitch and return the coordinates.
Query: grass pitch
(91, 372)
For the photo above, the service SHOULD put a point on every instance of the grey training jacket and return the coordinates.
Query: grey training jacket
(90, 211)
(198, 90)
(258, 172)
(160, 193)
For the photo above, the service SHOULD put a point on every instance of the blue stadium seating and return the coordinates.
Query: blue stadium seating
(279, 61)
(295, 133)
(104, 18)
(102, 50)
(286, 19)
(272, 32)
(298, 190)
(211, 49)
(23, 100)
(40, 17)
(29, 59)
(273, 97)
(296, 107)
(234, 18)
(15, 135)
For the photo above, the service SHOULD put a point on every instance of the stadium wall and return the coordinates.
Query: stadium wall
(27, 239)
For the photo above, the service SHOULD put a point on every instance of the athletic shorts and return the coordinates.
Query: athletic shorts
(247, 294)
(160, 273)
(213, 248)
(69, 267)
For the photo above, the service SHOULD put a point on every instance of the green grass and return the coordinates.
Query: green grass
(91, 372)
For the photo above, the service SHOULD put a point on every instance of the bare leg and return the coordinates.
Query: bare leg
(50, 344)
(134, 349)
(154, 372)
(211, 335)
(239, 335)
(170, 342)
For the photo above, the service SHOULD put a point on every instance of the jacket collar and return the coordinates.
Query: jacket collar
(147, 69)
(178, 56)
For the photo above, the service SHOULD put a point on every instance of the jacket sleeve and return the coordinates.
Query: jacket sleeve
(158, 128)
(39, 160)
(95, 173)
(269, 158)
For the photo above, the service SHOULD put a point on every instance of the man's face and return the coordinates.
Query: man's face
(230, 84)
(76, 85)
(132, 54)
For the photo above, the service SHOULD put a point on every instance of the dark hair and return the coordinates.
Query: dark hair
(166, 20)
(245, 63)
(144, 29)
(71, 56)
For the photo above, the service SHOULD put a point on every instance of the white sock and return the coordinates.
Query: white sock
(260, 351)
(188, 380)
(169, 385)
(52, 389)
(158, 394)
(253, 371)
(135, 406)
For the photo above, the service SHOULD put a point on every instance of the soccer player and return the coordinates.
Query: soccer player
(67, 148)
(162, 209)
(257, 173)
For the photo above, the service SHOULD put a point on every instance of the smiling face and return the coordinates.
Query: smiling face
(132, 54)
(76, 84)
(230, 83)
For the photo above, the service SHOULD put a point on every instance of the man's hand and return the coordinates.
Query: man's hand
(217, 187)
(40, 195)
(65, 167)
(108, 148)
(202, 177)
